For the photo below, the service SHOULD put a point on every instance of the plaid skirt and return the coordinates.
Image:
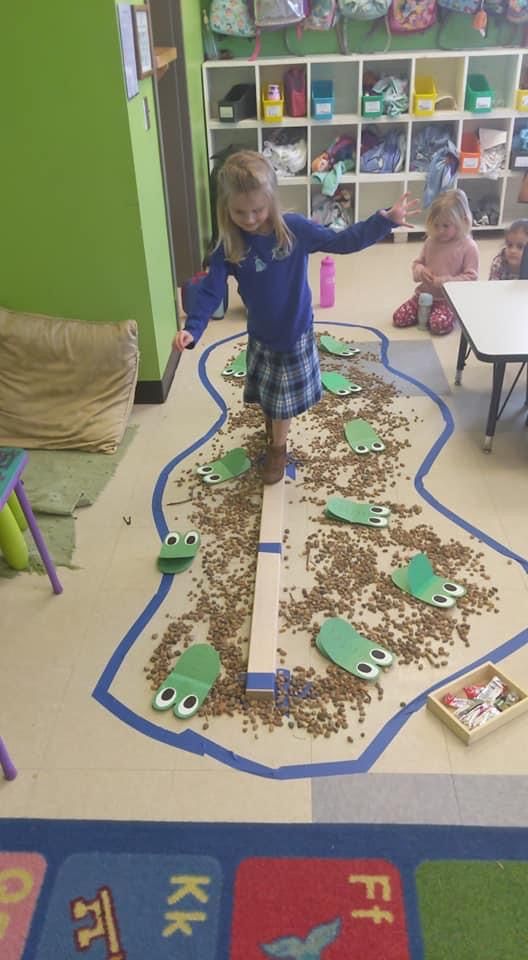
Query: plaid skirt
(284, 384)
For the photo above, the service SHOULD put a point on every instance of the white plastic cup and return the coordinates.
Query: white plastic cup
(425, 303)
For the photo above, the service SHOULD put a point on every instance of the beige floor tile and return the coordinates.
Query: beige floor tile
(420, 747)
(229, 796)
(103, 795)
(15, 795)
(31, 700)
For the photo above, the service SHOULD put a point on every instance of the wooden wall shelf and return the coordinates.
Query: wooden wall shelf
(164, 56)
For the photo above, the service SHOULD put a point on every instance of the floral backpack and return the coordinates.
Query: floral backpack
(322, 16)
(231, 18)
(517, 11)
(411, 16)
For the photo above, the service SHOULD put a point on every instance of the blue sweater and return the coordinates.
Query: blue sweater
(275, 288)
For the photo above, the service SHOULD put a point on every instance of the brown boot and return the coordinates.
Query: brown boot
(274, 463)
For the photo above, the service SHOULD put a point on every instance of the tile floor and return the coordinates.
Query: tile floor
(112, 757)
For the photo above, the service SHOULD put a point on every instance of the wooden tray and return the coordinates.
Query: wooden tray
(482, 675)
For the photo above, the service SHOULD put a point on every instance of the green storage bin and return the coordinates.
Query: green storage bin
(372, 105)
(479, 95)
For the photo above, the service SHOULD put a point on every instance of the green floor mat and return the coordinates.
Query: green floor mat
(58, 482)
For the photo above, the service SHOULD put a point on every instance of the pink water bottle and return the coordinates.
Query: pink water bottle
(327, 282)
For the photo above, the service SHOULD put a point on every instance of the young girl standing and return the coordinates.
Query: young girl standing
(506, 265)
(449, 253)
(267, 253)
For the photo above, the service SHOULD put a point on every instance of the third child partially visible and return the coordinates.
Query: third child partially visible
(506, 265)
(449, 253)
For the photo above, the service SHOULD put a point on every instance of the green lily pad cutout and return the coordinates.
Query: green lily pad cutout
(419, 580)
(187, 686)
(362, 437)
(178, 551)
(337, 347)
(370, 514)
(229, 466)
(347, 648)
(336, 383)
(237, 368)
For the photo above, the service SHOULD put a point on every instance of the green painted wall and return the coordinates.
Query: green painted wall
(83, 218)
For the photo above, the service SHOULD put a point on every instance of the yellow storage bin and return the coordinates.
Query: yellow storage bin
(273, 110)
(521, 100)
(424, 96)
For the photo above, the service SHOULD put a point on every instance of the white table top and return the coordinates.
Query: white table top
(494, 315)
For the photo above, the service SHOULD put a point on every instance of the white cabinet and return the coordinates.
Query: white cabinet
(506, 71)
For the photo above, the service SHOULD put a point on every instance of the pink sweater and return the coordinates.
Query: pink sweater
(458, 260)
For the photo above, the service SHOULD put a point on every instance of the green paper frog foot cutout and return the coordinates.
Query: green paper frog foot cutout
(419, 580)
(336, 383)
(370, 514)
(362, 437)
(237, 368)
(187, 686)
(178, 551)
(347, 648)
(233, 464)
(337, 347)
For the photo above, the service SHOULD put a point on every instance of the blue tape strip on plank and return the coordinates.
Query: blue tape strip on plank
(269, 548)
(260, 681)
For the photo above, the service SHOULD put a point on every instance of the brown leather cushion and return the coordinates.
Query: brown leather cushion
(65, 384)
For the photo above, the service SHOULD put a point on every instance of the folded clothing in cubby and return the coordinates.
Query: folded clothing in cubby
(382, 154)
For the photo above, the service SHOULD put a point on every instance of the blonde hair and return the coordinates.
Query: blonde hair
(453, 204)
(244, 172)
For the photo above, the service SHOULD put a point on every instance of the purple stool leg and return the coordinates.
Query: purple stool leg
(37, 537)
(6, 763)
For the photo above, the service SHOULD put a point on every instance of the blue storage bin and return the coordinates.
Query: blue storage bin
(322, 100)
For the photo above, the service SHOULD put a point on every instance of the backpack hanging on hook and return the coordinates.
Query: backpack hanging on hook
(322, 16)
(275, 15)
(231, 18)
(411, 16)
(361, 10)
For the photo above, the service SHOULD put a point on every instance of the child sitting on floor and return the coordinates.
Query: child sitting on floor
(449, 253)
(506, 265)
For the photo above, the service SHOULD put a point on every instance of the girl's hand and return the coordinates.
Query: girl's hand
(428, 276)
(405, 207)
(182, 340)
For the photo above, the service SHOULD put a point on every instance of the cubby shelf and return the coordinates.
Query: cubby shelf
(503, 68)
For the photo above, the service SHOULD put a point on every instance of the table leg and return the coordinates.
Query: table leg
(6, 763)
(38, 538)
(498, 377)
(461, 359)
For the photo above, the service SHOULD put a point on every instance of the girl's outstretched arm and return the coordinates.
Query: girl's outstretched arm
(359, 235)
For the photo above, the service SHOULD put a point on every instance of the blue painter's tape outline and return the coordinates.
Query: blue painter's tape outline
(198, 744)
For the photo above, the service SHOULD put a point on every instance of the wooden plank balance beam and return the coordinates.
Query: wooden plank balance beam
(263, 637)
